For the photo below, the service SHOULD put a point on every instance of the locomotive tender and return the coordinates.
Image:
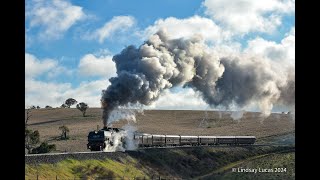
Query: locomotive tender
(98, 140)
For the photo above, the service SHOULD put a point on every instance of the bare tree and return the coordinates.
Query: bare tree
(64, 132)
(27, 117)
(83, 108)
(32, 138)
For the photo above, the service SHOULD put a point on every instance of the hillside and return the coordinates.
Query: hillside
(183, 122)
(178, 163)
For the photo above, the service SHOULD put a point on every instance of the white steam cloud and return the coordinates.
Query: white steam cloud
(237, 115)
(122, 140)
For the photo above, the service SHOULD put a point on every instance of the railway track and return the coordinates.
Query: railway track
(143, 148)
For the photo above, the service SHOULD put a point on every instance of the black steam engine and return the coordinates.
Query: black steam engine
(100, 139)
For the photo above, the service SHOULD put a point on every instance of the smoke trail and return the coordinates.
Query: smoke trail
(122, 114)
(204, 123)
(237, 115)
(287, 96)
(161, 63)
(130, 142)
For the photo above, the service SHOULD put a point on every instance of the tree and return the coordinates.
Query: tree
(27, 118)
(64, 132)
(32, 138)
(69, 102)
(48, 107)
(32, 107)
(38, 107)
(83, 108)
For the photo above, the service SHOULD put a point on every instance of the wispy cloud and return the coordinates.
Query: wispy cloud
(35, 67)
(53, 18)
(283, 52)
(249, 15)
(91, 65)
(54, 94)
(115, 25)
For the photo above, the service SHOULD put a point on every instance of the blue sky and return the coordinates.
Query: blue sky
(101, 11)
(70, 44)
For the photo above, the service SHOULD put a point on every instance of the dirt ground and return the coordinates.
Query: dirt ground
(181, 122)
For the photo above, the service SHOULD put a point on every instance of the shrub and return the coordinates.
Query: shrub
(44, 148)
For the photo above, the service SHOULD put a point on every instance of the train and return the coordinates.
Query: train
(109, 137)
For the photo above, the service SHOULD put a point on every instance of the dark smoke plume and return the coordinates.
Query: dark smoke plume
(161, 63)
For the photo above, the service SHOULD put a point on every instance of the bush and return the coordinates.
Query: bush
(44, 148)
(63, 106)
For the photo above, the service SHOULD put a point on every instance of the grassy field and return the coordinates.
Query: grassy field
(182, 163)
(86, 169)
(283, 162)
(182, 122)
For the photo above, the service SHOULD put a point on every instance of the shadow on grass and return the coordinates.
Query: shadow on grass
(193, 162)
(47, 122)
(59, 138)
(93, 171)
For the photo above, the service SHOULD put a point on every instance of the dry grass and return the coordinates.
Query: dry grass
(182, 122)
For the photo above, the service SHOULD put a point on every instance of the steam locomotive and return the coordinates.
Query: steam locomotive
(99, 140)
(110, 137)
